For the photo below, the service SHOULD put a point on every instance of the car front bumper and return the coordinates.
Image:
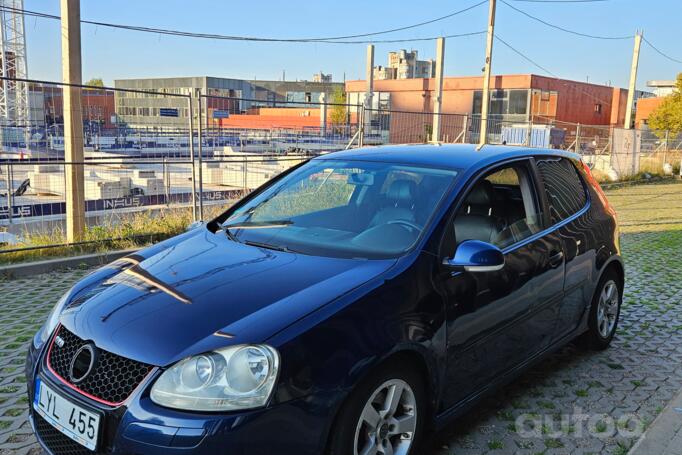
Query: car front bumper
(297, 426)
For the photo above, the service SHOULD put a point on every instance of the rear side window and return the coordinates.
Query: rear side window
(565, 190)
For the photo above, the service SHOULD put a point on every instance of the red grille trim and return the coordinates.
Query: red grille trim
(81, 392)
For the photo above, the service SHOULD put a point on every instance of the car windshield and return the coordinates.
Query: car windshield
(352, 209)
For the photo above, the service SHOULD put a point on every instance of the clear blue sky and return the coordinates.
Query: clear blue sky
(112, 54)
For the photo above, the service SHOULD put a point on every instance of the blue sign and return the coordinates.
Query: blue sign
(221, 113)
(168, 112)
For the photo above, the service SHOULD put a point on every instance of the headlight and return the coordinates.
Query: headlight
(237, 377)
(52, 320)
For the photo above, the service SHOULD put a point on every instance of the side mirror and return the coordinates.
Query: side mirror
(476, 256)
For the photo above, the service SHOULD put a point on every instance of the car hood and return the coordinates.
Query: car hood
(205, 291)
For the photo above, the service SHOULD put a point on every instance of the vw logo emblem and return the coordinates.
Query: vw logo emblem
(82, 363)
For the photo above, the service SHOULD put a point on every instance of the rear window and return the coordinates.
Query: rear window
(564, 188)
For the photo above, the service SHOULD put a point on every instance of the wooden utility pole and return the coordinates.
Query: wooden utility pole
(369, 68)
(365, 117)
(633, 81)
(438, 102)
(73, 120)
(485, 106)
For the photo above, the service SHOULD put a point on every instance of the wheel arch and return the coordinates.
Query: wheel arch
(403, 356)
(614, 263)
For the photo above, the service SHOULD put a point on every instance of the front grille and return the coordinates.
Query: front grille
(113, 377)
(58, 443)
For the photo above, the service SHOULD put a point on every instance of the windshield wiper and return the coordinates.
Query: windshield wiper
(258, 224)
(253, 225)
(269, 246)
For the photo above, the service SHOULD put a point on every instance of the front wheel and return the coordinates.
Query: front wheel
(604, 313)
(383, 416)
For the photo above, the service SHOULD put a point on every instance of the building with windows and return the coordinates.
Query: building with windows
(321, 77)
(662, 88)
(46, 107)
(405, 65)
(229, 96)
(514, 98)
(268, 93)
(162, 110)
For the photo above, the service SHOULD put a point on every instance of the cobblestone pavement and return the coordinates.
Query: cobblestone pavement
(575, 402)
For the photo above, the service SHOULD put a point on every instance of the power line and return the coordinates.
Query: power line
(537, 65)
(660, 51)
(332, 39)
(558, 27)
(525, 57)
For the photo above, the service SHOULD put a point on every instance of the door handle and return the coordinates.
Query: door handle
(556, 258)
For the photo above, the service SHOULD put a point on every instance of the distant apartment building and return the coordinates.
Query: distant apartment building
(321, 77)
(405, 65)
(662, 88)
(225, 96)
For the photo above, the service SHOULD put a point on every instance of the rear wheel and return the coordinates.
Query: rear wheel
(604, 313)
(383, 416)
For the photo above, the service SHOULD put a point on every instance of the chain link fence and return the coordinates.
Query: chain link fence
(153, 161)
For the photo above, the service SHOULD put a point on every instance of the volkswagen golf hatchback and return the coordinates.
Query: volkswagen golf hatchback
(349, 306)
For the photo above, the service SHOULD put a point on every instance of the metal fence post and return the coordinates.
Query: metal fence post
(191, 152)
(361, 124)
(166, 180)
(465, 128)
(577, 138)
(244, 174)
(529, 136)
(201, 180)
(9, 192)
(665, 150)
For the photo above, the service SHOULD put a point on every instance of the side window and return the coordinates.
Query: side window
(501, 208)
(564, 188)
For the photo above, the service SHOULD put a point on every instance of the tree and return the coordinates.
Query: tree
(338, 113)
(667, 117)
(95, 82)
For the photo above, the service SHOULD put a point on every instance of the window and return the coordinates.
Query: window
(564, 188)
(501, 208)
(597, 108)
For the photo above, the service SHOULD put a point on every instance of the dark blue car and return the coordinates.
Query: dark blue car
(347, 307)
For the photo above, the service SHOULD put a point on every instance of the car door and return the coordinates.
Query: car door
(567, 203)
(498, 319)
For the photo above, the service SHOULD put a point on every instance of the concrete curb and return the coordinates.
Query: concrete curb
(38, 267)
(664, 436)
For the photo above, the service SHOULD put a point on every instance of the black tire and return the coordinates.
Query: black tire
(594, 338)
(342, 436)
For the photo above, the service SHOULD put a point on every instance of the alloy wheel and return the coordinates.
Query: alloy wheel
(607, 309)
(388, 421)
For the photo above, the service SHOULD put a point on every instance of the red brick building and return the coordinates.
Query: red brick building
(515, 98)
(97, 105)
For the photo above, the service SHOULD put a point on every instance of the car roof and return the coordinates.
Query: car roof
(454, 156)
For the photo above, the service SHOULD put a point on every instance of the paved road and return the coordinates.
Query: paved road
(575, 402)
